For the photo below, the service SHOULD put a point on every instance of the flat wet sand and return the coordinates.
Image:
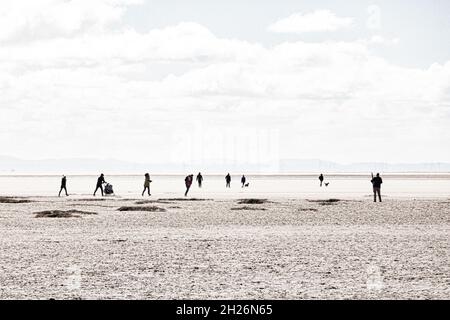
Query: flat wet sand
(294, 249)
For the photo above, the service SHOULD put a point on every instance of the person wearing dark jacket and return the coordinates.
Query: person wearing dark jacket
(243, 180)
(321, 179)
(188, 182)
(376, 183)
(147, 182)
(199, 179)
(63, 186)
(100, 182)
(228, 180)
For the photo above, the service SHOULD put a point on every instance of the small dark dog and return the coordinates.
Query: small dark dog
(247, 184)
(326, 184)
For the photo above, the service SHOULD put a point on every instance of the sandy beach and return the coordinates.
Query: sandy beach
(283, 248)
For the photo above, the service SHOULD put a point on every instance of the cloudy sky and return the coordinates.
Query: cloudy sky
(247, 81)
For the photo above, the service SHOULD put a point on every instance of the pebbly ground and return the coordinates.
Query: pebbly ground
(220, 249)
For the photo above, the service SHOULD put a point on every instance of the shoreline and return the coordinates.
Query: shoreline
(301, 174)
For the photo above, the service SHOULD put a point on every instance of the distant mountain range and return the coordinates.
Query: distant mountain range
(362, 167)
(11, 165)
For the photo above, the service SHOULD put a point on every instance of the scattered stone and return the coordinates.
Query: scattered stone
(308, 209)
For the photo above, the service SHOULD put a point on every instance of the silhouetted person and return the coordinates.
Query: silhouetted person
(199, 179)
(63, 186)
(147, 182)
(188, 182)
(100, 182)
(376, 182)
(243, 179)
(321, 179)
(228, 180)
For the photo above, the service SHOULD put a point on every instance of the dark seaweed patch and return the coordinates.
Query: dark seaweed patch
(14, 200)
(248, 208)
(252, 201)
(62, 214)
(147, 208)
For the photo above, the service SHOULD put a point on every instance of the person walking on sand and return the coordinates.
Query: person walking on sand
(228, 180)
(147, 182)
(376, 183)
(188, 182)
(199, 179)
(63, 186)
(243, 180)
(321, 179)
(100, 182)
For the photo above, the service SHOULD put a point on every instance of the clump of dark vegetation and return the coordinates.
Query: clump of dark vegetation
(89, 199)
(147, 208)
(325, 202)
(248, 208)
(183, 199)
(145, 201)
(151, 201)
(14, 200)
(62, 214)
(252, 201)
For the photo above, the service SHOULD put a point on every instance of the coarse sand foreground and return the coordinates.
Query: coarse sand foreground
(80, 248)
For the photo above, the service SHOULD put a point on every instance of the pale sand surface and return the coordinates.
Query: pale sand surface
(399, 249)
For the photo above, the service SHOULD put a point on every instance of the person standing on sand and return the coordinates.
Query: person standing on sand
(100, 182)
(63, 186)
(376, 182)
(228, 180)
(199, 179)
(147, 182)
(188, 182)
(321, 179)
(243, 180)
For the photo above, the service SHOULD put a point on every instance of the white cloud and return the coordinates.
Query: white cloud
(380, 40)
(61, 95)
(31, 20)
(185, 42)
(317, 21)
(374, 20)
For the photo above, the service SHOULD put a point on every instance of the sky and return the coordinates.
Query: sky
(207, 81)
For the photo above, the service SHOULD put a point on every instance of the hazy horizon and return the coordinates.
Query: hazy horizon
(85, 166)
